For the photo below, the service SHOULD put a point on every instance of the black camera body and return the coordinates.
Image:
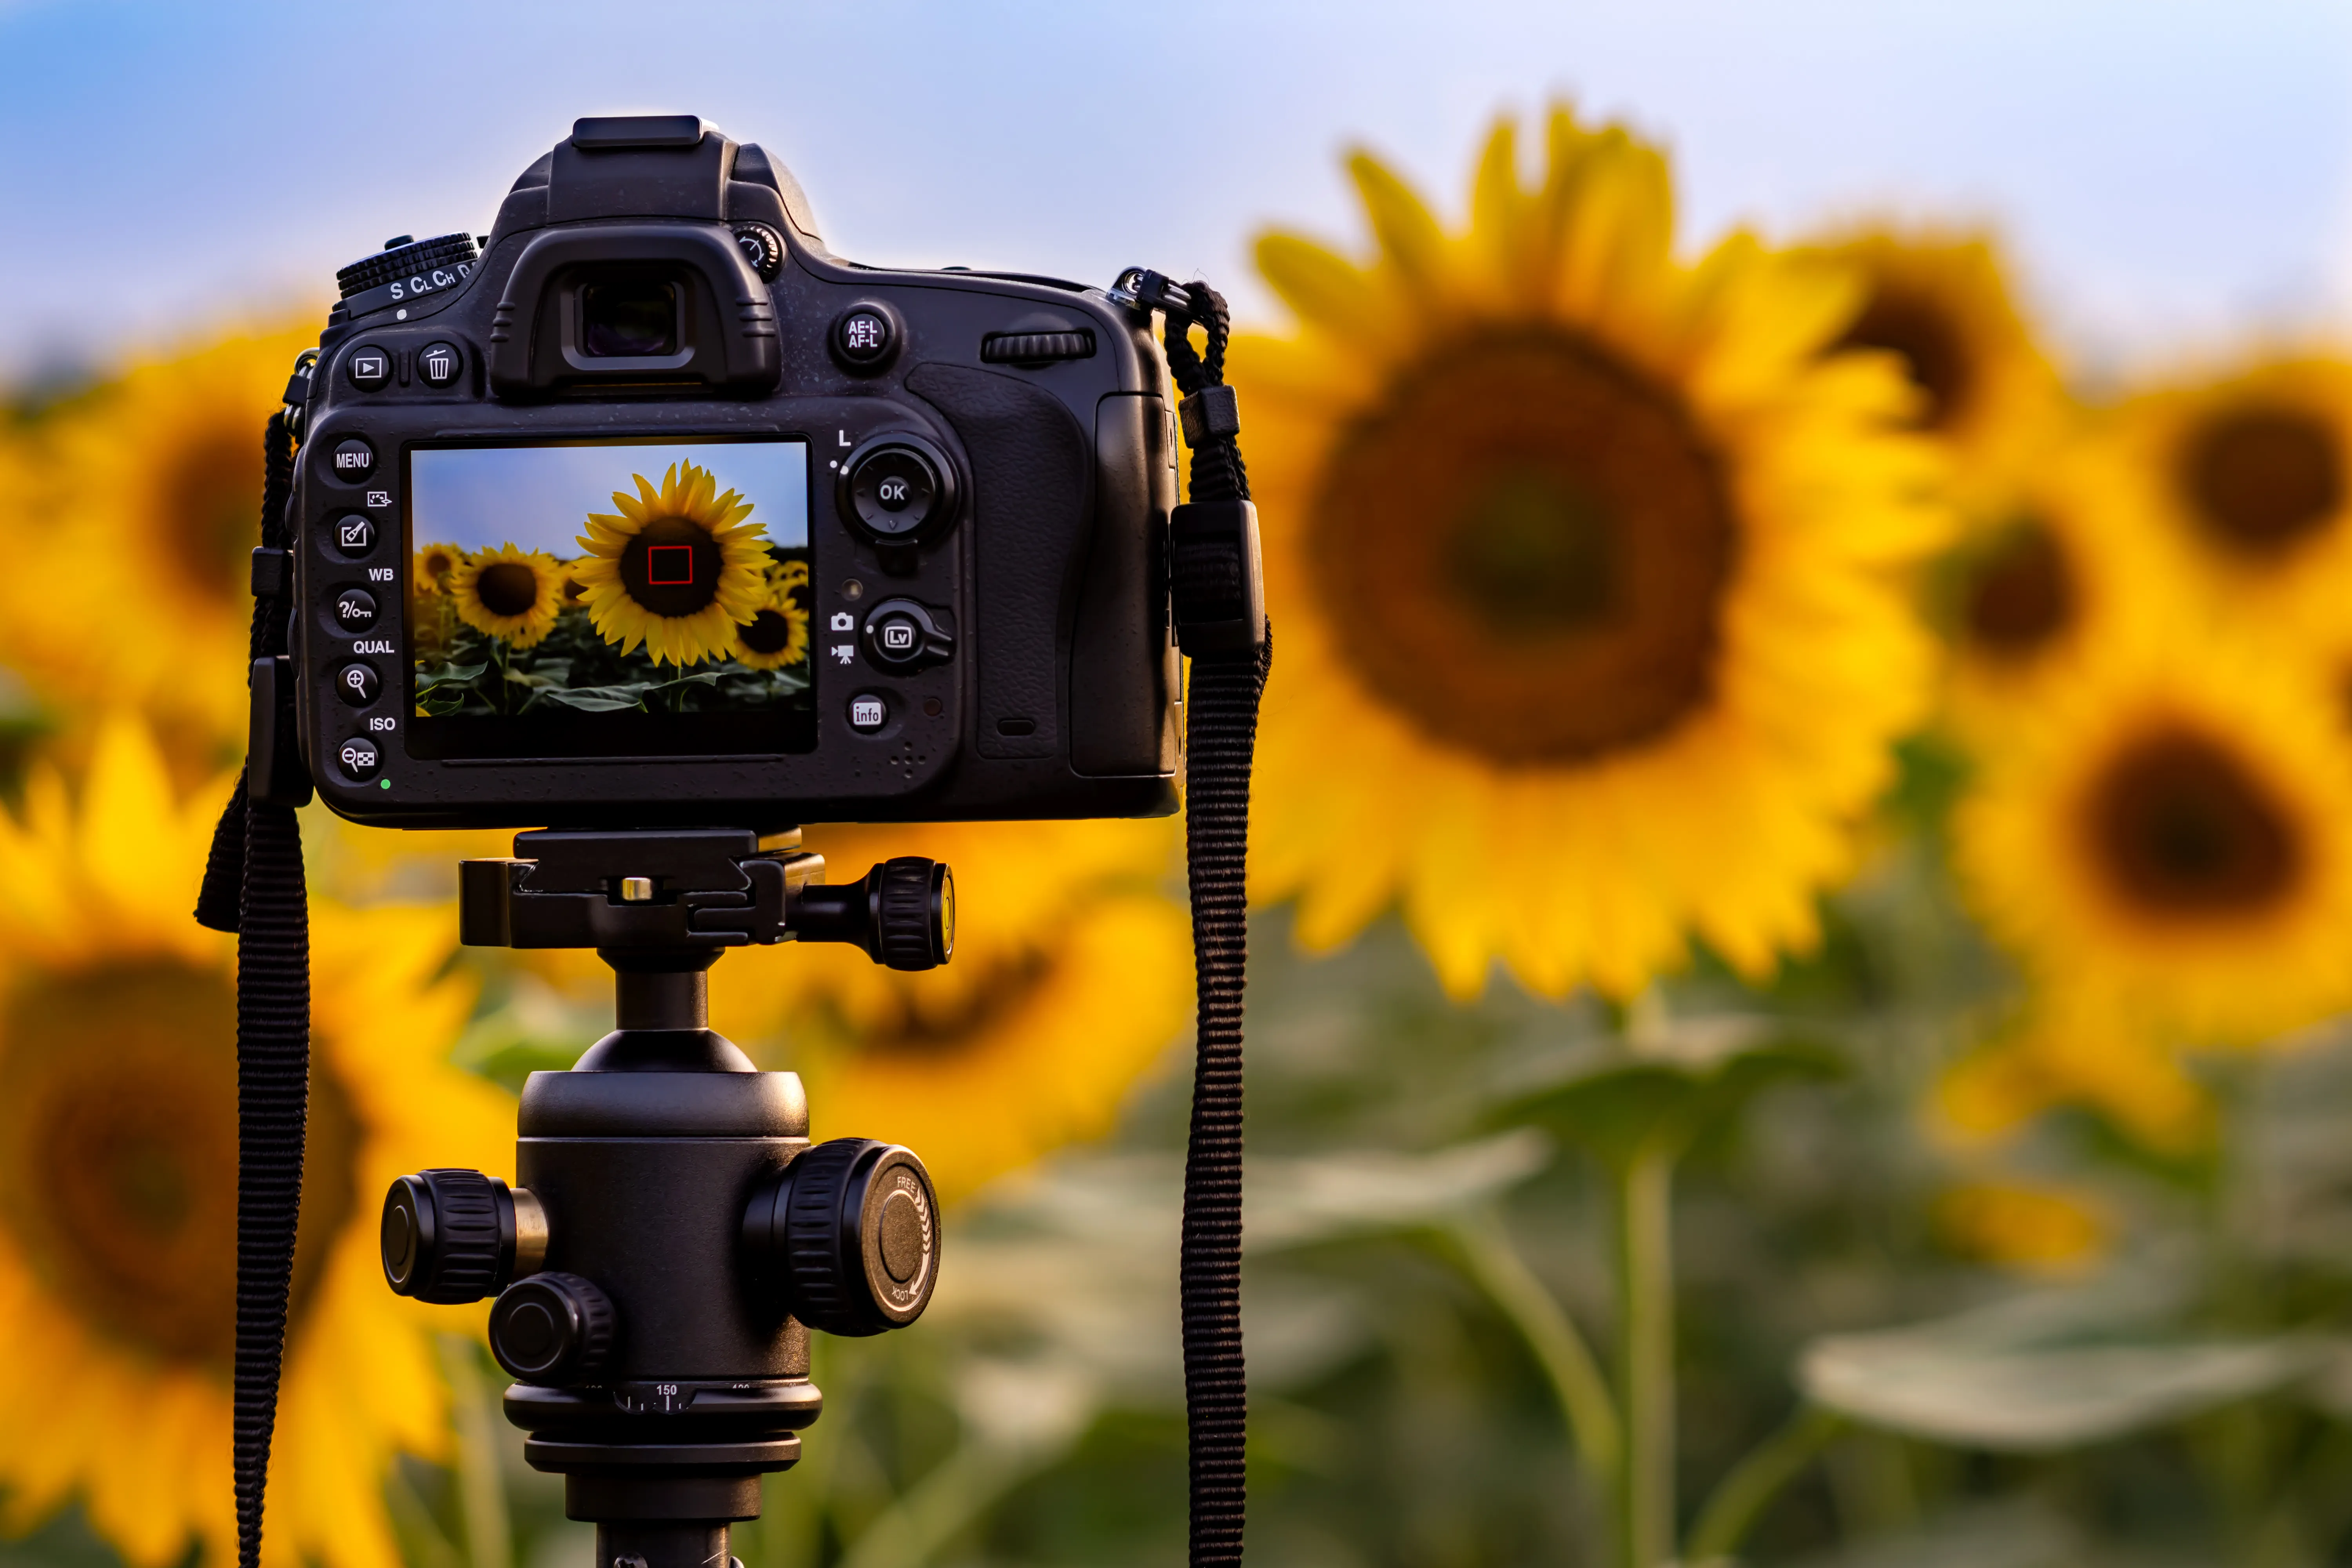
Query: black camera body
(652, 510)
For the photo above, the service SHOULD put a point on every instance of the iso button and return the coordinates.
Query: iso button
(360, 759)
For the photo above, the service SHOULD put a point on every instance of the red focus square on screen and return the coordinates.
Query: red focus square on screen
(669, 565)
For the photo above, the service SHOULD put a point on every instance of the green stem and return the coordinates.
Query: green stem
(481, 1491)
(1496, 1267)
(912, 1530)
(1742, 1496)
(1646, 1352)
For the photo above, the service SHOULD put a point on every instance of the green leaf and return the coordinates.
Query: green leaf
(1671, 1084)
(2049, 1370)
(594, 698)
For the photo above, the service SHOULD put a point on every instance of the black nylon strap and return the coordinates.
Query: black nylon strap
(1220, 735)
(254, 886)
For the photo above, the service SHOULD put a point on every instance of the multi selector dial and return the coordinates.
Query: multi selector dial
(898, 491)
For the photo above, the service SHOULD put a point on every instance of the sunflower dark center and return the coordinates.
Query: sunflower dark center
(671, 567)
(208, 499)
(507, 588)
(2019, 595)
(1933, 352)
(2261, 480)
(118, 1154)
(1524, 549)
(2183, 830)
(938, 1022)
(770, 632)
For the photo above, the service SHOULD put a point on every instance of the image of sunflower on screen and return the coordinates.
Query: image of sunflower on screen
(675, 569)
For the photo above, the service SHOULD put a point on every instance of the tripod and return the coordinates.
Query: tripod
(673, 1237)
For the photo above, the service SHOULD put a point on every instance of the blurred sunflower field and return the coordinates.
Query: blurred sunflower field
(1803, 852)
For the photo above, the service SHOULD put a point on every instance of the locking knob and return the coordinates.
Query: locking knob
(848, 1236)
(450, 1236)
(553, 1328)
(902, 913)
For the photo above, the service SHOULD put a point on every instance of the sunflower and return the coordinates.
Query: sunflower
(2072, 1050)
(2043, 580)
(2247, 482)
(777, 635)
(510, 594)
(117, 1183)
(161, 465)
(2168, 836)
(435, 564)
(675, 569)
(2032, 1228)
(1585, 565)
(1941, 304)
(1072, 976)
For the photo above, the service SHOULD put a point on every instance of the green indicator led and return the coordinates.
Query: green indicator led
(384, 783)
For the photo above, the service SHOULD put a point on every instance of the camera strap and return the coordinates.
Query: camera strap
(1218, 597)
(254, 886)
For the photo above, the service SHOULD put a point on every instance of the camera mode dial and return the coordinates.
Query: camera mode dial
(450, 254)
(553, 1328)
(848, 1236)
(898, 491)
(450, 1236)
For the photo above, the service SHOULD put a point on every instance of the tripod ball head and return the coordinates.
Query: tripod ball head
(451, 1236)
(847, 1237)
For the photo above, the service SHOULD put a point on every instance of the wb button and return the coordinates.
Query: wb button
(901, 635)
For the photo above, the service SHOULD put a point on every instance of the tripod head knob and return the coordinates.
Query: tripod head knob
(451, 1236)
(553, 1328)
(902, 913)
(847, 1235)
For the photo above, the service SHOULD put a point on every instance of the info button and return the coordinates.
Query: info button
(867, 712)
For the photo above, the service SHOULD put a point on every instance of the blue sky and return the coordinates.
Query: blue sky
(539, 497)
(2174, 176)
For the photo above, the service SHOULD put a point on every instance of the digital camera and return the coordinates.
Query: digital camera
(646, 509)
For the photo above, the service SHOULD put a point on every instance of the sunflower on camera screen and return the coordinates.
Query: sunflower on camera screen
(675, 569)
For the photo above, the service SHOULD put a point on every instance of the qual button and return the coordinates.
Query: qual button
(357, 685)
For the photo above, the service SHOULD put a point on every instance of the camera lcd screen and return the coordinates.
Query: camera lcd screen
(609, 599)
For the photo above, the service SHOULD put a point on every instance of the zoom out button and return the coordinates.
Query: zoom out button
(360, 758)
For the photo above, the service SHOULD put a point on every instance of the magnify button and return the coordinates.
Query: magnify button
(357, 685)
